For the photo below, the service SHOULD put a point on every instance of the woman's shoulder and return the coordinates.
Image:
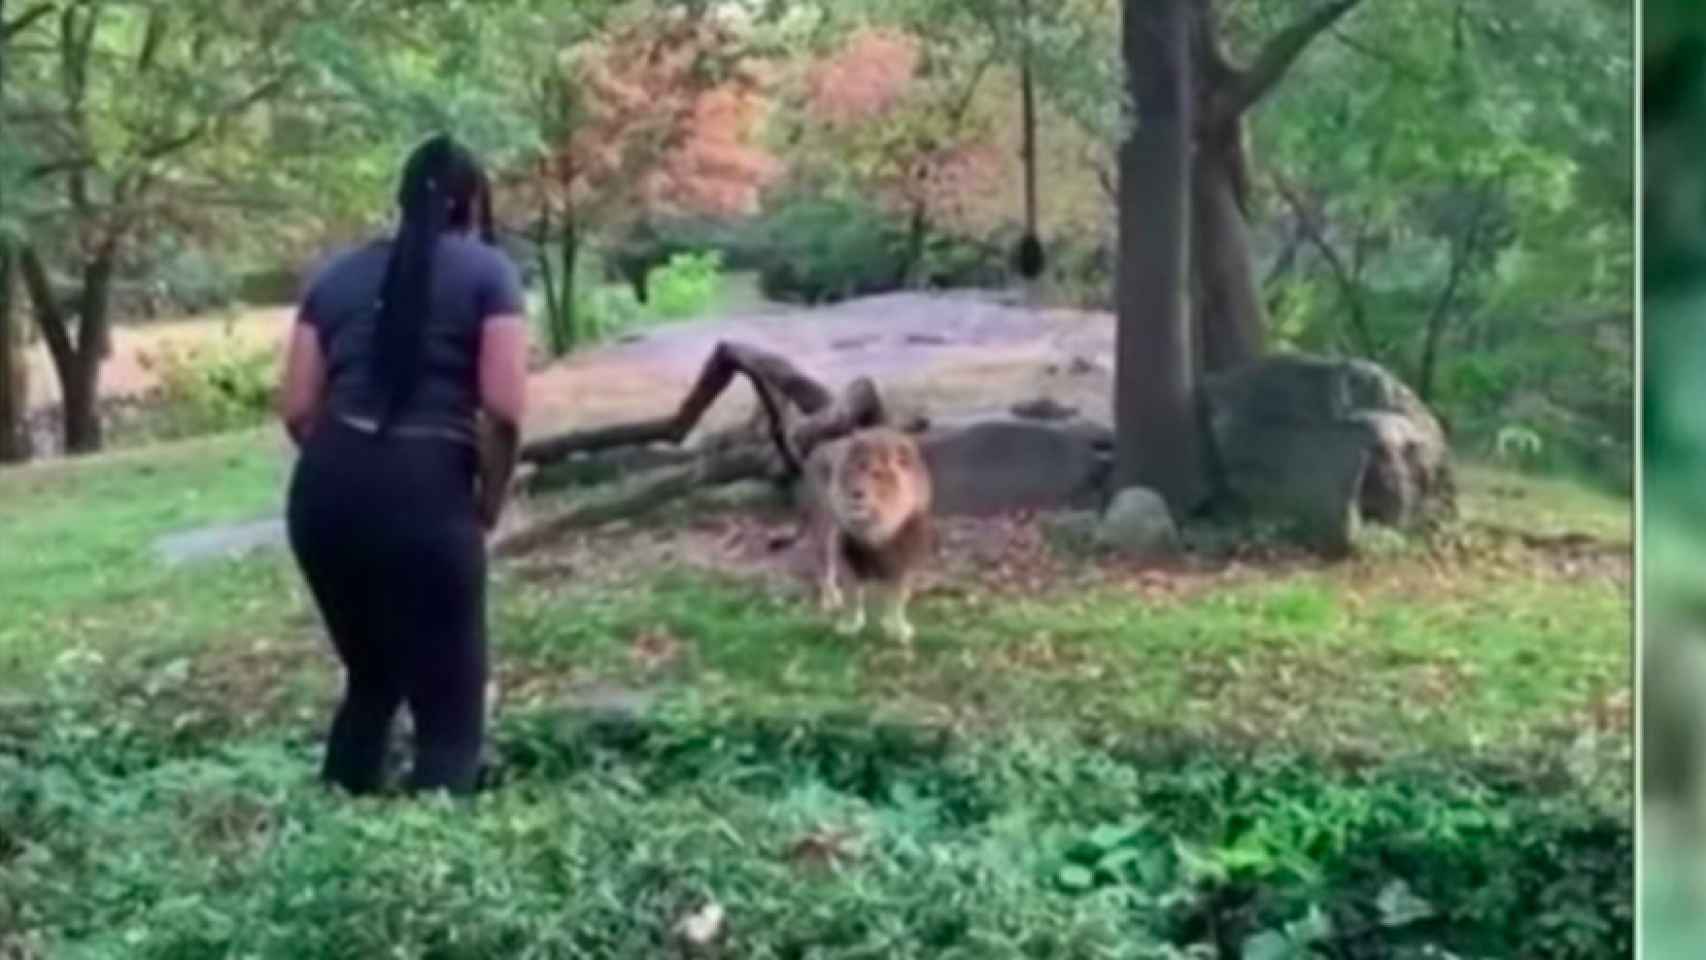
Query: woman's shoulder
(335, 261)
(476, 252)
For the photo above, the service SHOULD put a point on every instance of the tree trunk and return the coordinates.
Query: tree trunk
(77, 360)
(542, 255)
(1463, 248)
(1228, 313)
(15, 440)
(570, 257)
(94, 343)
(1157, 437)
(14, 370)
(917, 230)
(1230, 316)
(80, 388)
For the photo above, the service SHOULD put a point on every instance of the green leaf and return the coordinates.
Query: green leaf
(1315, 926)
(1400, 907)
(1075, 878)
(1270, 945)
(1109, 835)
(1115, 859)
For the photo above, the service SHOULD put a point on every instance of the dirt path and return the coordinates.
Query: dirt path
(947, 351)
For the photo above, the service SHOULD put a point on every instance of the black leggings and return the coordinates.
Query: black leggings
(387, 536)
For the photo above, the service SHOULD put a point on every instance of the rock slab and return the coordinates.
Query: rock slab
(989, 465)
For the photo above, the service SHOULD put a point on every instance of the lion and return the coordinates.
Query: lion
(869, 502)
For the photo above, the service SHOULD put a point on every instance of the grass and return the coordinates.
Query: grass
(1425, 746)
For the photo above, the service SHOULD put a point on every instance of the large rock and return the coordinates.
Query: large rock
(989, 465)
(1328, 443)
(1138, 522)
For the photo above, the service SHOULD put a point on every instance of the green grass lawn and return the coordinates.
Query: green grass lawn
(1425, 746)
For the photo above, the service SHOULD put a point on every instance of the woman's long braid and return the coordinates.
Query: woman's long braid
(442, 188)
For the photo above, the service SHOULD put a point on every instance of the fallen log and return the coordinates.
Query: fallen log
(796, 411)
(772, 377)
(641, 496)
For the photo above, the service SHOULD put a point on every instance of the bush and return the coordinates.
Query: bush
(196, 282)
(821, 836)
(211, 388)
(827, 250)
(951, 261)
(272, 287)
(1080, 273)
(687, 285)
(604, 310)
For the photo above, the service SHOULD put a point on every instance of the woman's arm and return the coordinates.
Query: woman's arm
(503, 401)
(303, 385)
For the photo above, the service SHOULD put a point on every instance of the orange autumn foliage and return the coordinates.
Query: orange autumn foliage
(904, 135)
(664, 120)
(864, 80)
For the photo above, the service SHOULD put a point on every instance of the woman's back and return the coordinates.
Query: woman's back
(471, 282)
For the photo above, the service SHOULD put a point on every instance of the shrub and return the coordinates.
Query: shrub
(276, 286)
(604, 310)
(821, 836)
(196, 282)
(211, 388)
(1080, 273)
(953, 261)
(687, 285)
(825, 250)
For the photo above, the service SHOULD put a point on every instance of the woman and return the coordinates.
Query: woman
(404, 389)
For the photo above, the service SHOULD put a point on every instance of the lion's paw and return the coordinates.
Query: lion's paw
(829, 598)
(851, 624)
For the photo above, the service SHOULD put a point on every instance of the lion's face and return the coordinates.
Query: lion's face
(878, 484)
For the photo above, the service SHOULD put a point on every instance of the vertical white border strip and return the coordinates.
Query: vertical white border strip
(1637, 592)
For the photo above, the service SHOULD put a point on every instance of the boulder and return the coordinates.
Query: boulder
(1042, 408)
(989, 465)
(1138, 522)
(1328, 443)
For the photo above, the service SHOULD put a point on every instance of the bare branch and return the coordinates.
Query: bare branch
(770, 374)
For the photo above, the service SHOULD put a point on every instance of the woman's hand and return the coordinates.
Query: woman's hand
(503, 396)
(499, 442)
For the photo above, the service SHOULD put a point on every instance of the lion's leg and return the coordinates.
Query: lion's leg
(829, 546)
(895, 624)
(854, 620)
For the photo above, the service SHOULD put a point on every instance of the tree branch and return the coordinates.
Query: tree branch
(1281, 51)
(74, 46)
(22, 21)
(50, 319)
(1317, 237)
(1408, 70)
(166, 145)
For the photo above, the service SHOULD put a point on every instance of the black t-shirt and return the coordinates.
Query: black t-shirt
(471, 283)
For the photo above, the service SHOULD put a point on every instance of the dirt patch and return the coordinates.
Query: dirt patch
(1003, 556)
